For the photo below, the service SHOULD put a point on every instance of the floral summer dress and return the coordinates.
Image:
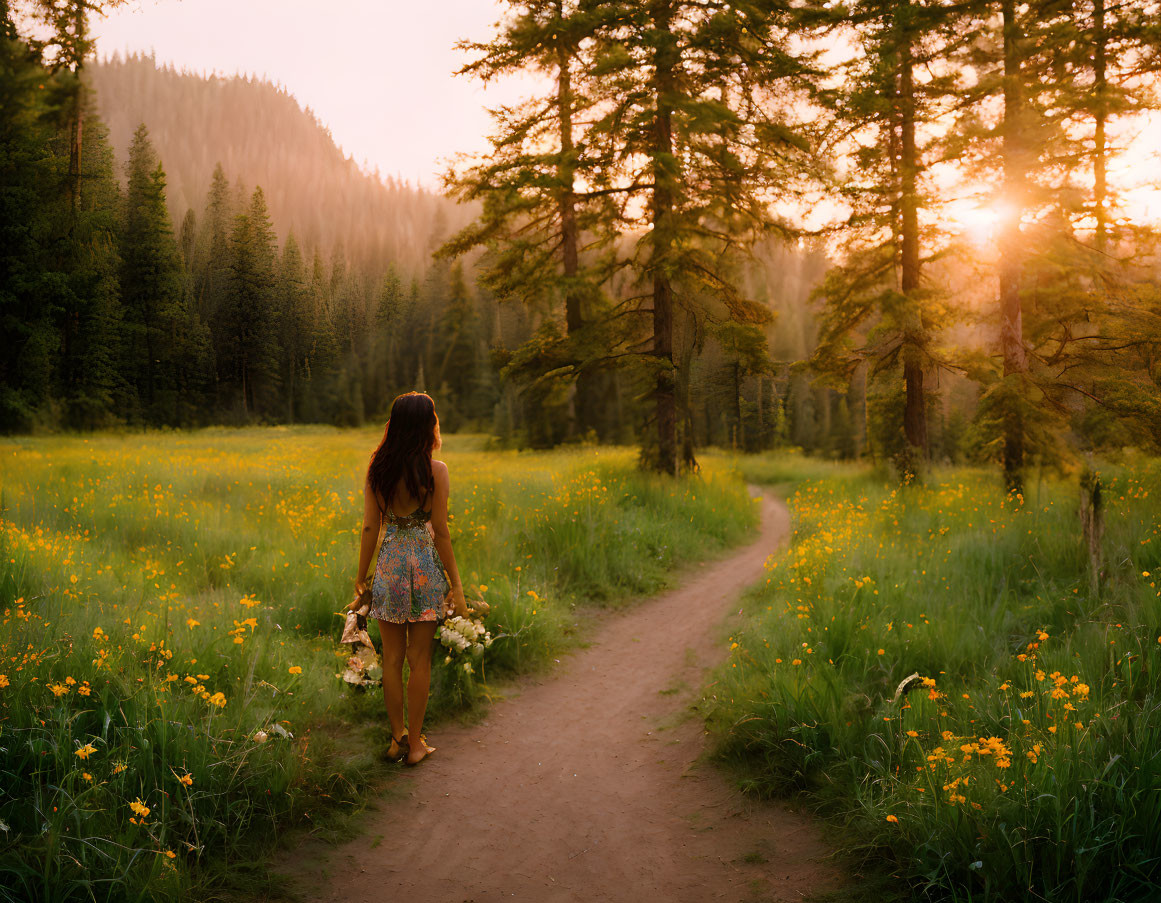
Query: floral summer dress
(409, 582)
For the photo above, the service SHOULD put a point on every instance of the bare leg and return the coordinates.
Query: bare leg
(394, 649)
(419, 638)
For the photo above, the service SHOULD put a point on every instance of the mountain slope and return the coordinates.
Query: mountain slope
(262, 136)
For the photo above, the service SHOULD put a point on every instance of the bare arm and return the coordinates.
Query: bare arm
(372, 518)
(442, 534)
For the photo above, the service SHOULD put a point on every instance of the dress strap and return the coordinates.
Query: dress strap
(416, 518)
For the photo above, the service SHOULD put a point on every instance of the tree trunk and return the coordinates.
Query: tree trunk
(76, 117)
(290, 388)
(1100, 151)
(761, 418)
(566, 204)
(76, 123)
(1014, 176)
(739, 433)
(663, 162)
(1092, 525)
(245, 391)
(915, 407)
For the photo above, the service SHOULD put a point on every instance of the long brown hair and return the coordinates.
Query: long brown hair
(411, 435)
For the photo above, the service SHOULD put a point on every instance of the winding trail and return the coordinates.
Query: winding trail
(586, 783)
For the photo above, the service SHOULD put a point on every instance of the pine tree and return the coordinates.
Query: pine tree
(59, 310)
(699, 160)
(877, 308)
(1067, 342)
(295, 323)
(151, 284)
(745, 354)
(458, 345)
(94, 392)
(389, 341)
(68, 48)
(249, 319)
(27, 197)
(545, 212)
(211, 262)
(1118, 48)
(1096, 285)
(321, 361)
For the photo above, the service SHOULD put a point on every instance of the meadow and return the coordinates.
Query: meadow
(930, 666)
(169, 615)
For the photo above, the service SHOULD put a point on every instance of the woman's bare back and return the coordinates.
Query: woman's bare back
(403, 502)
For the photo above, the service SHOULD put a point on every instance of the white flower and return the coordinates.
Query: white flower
(259, 736)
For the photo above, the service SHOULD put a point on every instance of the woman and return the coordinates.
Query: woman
(406, 494)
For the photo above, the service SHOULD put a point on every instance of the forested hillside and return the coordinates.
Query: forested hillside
(261, 136)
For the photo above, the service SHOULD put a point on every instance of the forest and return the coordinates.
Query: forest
(725, 224)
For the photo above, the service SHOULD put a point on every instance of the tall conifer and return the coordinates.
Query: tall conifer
(152, 289)
(696, 103)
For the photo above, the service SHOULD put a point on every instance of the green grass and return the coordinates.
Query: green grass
(165, 596)
(1025, 764)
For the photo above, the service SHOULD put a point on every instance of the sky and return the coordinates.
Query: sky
(377, 73)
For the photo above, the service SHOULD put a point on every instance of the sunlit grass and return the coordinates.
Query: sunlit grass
(1024, 760)
(164, 598)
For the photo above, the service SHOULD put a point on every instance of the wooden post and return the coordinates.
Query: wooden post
(1092, 525)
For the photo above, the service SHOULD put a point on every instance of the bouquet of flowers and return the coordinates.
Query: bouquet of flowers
(464, 637)
(363, 665)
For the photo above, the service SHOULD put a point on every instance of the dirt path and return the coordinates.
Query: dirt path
(586, 784)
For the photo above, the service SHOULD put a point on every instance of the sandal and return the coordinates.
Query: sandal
(403, 745)
(427, 755)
